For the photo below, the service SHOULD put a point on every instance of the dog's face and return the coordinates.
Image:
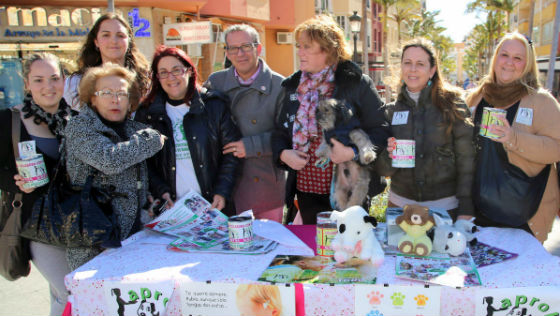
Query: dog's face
(330, 112)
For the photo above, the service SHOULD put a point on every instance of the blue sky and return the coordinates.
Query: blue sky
(453, 17)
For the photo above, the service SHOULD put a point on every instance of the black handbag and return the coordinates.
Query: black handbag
(502, 192)
(14, 251)
(67, 216)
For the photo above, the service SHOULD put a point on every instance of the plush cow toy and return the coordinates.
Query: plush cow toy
(355, 237)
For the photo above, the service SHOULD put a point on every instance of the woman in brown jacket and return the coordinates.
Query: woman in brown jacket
(530, 134)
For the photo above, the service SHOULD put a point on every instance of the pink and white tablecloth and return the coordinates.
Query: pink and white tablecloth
(144, 258)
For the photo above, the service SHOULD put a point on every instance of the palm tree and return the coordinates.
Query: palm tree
(476, 51)
(421, 25)
(404, 11)
(385, 4)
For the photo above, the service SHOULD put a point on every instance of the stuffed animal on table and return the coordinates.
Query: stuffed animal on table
(468, 228)
(355, 236)
(415, 221)
(447, 238)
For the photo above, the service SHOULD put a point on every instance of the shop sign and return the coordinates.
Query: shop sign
(187, 33)
(41, 24)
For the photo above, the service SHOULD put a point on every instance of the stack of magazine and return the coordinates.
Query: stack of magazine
(199, 228)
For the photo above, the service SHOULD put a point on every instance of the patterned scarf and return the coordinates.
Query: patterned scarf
(56, 122)
(312, 88)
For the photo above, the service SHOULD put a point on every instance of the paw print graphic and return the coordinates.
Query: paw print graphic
(421, 300)
(374, 313)
(398, 298)
(375, 297)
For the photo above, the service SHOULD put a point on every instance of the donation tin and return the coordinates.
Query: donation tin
(490, 116)
(404, 154)
(240, 230)
(33, 171)
(326, 230)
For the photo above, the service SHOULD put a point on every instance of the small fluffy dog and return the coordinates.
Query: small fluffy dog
(337, 120)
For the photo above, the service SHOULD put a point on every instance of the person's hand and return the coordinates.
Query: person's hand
(237, 148)
(167, 198)
(218, 202)
(295, 159)
(341, 153)
(505, 132)
(20, 182)
(391, 145)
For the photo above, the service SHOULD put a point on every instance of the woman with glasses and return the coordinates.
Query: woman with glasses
(110, 40)
(197, 124)
(102, 140)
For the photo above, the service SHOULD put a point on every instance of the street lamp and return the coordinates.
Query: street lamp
(355, 25)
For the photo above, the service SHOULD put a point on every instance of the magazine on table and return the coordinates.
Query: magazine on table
(485, 255)
(199, 228)
(317, 269)
(452, 271)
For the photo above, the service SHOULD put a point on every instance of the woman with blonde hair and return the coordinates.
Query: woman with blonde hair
(325, 72)
(104, 142)
(432, 113)
(258, 299)
(516, 184)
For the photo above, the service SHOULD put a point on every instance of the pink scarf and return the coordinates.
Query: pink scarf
(312, 88)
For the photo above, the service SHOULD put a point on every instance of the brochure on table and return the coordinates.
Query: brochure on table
(317, 269)
(396, 300)
(201, 228)
(226, 299)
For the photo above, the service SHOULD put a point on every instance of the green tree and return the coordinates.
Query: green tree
(405, 10)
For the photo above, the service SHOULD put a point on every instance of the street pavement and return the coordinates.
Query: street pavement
(30, 296)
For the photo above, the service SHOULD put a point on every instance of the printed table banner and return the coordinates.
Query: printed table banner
(519, 301)
(217, 299)
(397, 300)
(130, 299)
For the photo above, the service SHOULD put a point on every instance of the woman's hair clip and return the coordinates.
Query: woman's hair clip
(265, 304)
(528, 40)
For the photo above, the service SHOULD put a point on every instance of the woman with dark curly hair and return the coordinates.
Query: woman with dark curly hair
(110, 40)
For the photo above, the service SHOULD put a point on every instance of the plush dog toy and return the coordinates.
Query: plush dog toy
(468, 228)
(447, 238)
(355, 237)
(415, 221)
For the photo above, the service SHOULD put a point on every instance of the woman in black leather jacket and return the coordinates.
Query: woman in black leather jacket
(198, 124)
(325, 72)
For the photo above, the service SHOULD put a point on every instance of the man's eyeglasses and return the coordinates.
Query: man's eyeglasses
(111, 94)
(178, 72)
(246, 48)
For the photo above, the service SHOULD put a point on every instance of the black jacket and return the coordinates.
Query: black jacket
(8, 166)
(444, 163)
(352, 86)
(208, 126)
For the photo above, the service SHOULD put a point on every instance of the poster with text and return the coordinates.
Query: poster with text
(217, 299)
(519, 301)
(128, 299)
(396, 300)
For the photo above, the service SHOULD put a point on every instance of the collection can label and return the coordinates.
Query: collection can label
(326, 230)
(33, 171)
(490, 116)
(240, 231)
(404, 154)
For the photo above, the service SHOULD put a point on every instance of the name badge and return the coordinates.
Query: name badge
(293, 97)
(400, 118)
(27, 149)
(524, 116)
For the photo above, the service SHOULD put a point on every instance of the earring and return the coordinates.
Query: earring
(430, 82)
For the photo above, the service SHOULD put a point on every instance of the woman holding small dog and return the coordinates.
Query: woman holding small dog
(432, 113)
(325, 72)
(527, 143)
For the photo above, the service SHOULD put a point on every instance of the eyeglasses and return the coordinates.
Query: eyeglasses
(111, 94)
(246, 48)
(175, 72)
